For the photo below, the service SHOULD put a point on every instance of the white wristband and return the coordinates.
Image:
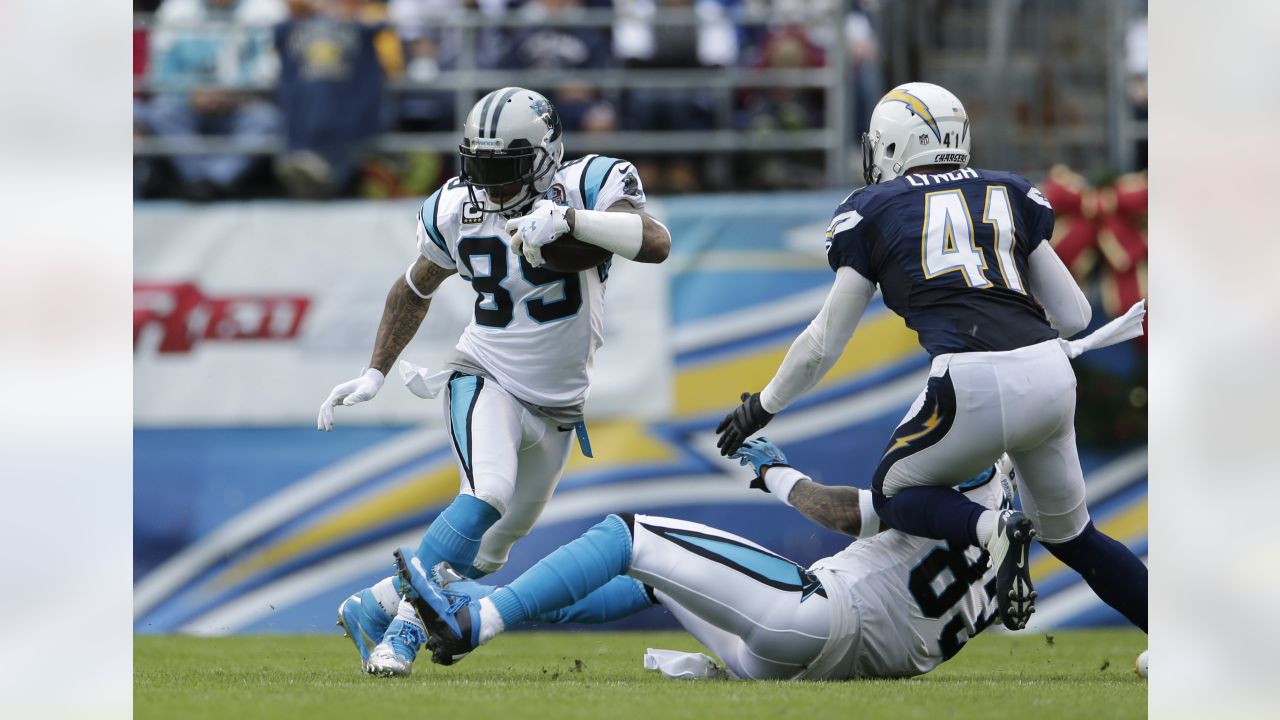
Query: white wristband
(621, 233)
(408, 280)
(780, 479)
(870, 520)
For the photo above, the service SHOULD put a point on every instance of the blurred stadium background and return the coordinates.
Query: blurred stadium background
(281, 150)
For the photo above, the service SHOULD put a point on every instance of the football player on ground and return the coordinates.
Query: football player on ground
(962, 255)
(889, 605)
(515, 388)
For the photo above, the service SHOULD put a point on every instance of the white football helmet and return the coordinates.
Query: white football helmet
(511, 148)
(914, 124)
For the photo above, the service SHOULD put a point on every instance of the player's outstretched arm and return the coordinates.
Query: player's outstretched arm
(812, 354)
(820, 345)
(406, 306)
(834, 508)
(844, 509)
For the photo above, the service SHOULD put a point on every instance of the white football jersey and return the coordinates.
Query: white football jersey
(535, 331)
(905, 604)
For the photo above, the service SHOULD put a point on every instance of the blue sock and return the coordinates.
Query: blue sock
(940, 513)
(455, 534)
(1117, 575)
(620, 597)
(567, 575)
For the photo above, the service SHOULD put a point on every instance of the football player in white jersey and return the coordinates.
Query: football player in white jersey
(534, 236)
(889, 605)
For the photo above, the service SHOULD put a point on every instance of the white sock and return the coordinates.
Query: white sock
(410, 616)
(385, 593)
(987, 526)
(490, 621)
(405, 611)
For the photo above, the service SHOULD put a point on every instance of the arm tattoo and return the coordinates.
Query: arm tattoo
(835, 508)
(403, 313)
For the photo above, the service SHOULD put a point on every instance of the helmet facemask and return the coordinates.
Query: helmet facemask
(511, 150)
(511, 173)
(870, 168)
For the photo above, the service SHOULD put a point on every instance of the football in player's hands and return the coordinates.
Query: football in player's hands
(568, 254)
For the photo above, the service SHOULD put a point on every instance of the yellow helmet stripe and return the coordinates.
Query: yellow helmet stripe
(917, 106)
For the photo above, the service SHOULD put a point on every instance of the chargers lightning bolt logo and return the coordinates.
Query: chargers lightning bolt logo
(930, 425)
(917, 106)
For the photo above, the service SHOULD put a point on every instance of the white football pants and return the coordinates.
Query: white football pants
(978, 405)
(507, 457)
(765, 616)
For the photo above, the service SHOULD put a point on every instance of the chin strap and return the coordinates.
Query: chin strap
(510, 212)
(520, 210)
(487, 206)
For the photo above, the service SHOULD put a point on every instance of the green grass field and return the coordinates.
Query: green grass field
(599, 675)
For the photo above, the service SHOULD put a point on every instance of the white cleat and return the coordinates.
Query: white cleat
(1010, 547)
(383, 662)
(394, 656)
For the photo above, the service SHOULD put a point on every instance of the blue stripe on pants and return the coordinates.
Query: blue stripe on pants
(464, 390)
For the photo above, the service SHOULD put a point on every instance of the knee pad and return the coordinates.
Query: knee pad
(1061, 530)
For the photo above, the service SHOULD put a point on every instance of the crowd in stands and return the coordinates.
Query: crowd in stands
(309, 80)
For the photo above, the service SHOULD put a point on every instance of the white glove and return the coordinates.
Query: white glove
(544, 223)
(349, 393)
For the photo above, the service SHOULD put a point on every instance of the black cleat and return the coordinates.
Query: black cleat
(1010, 547)
(452, 621)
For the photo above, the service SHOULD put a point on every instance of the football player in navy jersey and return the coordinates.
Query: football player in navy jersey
(962, 255)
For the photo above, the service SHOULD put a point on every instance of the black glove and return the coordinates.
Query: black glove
(741, 424)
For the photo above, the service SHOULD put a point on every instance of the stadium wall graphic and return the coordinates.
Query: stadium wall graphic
(248, 520)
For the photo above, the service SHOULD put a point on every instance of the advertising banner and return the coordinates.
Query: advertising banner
(249, 314)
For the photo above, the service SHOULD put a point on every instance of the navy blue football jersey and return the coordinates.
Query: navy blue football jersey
(949, 252)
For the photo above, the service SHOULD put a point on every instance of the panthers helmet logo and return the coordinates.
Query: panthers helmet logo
(547, 113)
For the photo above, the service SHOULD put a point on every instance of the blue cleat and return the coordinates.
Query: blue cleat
(364, 621)
(394, 656)
(451, 619)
